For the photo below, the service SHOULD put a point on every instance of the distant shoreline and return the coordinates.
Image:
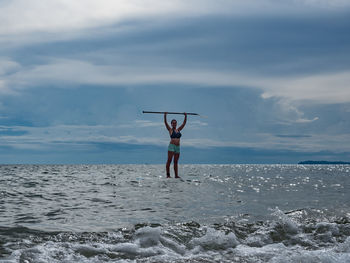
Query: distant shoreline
(323, 162)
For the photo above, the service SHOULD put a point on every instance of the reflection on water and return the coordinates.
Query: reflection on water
(215, 213)
(100, 197)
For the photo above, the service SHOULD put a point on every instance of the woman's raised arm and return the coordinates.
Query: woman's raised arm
(184, 123)
(165, 122)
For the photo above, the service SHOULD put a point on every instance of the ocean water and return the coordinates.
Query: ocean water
(215, 213)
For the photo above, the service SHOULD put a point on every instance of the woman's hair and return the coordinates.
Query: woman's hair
(173, 120)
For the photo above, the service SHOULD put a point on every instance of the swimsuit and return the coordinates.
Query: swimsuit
(175, 134)
(172, 147)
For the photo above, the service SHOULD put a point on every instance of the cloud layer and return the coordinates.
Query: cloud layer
(285, 53)
(20, 16)
(271, 75)
(320, 88)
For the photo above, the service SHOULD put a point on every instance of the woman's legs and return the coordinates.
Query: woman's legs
(176, 159)
(170, 157)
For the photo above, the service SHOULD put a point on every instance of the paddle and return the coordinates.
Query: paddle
(162, 112)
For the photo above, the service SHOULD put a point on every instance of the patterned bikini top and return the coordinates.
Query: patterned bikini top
(175, 134)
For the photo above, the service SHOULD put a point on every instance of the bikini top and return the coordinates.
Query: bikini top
(175, 134)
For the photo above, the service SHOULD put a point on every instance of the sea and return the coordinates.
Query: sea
(214, 213)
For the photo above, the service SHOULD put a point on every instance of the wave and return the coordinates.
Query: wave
(286, 238)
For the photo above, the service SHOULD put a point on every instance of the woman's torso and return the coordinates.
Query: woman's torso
(175, 136)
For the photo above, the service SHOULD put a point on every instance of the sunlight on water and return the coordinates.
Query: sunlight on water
(223, 213)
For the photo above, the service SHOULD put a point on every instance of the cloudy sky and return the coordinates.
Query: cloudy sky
(272, 77)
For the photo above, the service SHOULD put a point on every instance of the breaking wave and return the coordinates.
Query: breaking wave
(289, 237)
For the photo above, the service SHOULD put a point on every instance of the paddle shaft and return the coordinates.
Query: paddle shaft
(162, 112)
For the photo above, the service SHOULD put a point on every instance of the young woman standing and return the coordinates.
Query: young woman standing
(174, 145)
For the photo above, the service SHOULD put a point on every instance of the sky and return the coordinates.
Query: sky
(271, 79)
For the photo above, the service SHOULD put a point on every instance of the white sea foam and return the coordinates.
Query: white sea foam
(214, 240)
(192, 243)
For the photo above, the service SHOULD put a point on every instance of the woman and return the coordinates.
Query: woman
(174, 146)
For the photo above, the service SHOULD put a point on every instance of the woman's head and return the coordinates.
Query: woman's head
(173, 123)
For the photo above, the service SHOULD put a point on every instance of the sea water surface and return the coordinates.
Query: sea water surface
(215, 213)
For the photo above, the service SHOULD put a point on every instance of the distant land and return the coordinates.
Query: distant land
(323, 162)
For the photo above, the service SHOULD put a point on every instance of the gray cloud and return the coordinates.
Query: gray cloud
(300, 58)
(296, 136)
(20, 16)
(256, 68)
